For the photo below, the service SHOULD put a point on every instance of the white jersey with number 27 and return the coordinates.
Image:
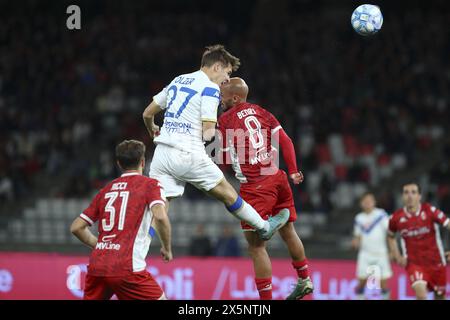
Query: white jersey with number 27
(188, 100)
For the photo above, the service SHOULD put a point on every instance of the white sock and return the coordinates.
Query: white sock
(248, 214)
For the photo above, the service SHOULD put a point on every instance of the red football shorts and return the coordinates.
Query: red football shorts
(435, 277)
(136, 286)
(269, 197)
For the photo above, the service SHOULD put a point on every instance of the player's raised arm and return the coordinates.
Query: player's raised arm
(163, 228)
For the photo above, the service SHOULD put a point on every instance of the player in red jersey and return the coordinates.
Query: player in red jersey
(246, 131)
(125, 209)
(423, 254)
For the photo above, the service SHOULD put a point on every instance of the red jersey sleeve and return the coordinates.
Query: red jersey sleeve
(393, 228)
(92, 213)
(155, 193)
(288, 150)
(287, 147)
(274, 123)
(438, 216)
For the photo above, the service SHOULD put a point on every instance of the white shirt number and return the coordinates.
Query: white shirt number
(112, 196)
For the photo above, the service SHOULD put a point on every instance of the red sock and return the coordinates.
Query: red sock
(264, 286)
(302, 268)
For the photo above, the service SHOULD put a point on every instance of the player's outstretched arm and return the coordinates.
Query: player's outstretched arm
(164, 230)
(149, 118)
(288, 150)
(80, 229)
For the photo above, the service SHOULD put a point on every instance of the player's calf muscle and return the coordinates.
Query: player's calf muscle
(288, 232)
(224, 192)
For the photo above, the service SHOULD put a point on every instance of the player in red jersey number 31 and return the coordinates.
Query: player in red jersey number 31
(125, 208)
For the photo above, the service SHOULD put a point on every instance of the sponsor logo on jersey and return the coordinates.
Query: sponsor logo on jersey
(106, 243)
(177, 127)
(108, 238)
(107, 246)
(415, 232)
(403, 220)
(261, 157)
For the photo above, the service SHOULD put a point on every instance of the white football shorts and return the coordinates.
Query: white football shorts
(173, 168)
(373, 265)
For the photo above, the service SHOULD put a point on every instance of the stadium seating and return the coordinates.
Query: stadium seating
(48, 222)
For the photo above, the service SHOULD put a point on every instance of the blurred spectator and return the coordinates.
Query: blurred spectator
(227, 245)
(6, 188)
(200, 244)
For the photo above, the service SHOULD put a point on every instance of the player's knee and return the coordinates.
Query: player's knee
(421, 293)
(256, 249)
(421, 296)
(255, 244)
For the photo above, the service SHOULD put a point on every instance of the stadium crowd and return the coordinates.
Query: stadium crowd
(358, 109)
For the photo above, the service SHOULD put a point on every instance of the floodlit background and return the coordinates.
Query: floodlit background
(364, 114)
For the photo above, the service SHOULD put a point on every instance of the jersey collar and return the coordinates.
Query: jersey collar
(128, 174)
(204, 75)
(408, 214)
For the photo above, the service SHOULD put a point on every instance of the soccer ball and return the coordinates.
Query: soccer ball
(367, 19)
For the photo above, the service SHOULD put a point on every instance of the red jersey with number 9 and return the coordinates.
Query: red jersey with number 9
(246, 133)
(122, 209)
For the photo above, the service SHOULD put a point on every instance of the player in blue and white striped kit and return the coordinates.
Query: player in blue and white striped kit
(370, 233)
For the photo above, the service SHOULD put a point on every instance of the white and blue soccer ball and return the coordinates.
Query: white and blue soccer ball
(367, 19)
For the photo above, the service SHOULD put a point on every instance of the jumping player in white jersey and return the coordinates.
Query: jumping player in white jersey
(370, 234)
(190, 102)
